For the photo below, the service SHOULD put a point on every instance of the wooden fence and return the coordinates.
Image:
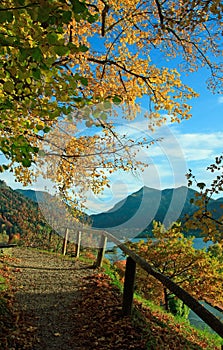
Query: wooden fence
(130, 271)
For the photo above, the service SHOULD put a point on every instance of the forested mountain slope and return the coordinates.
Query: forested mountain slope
(18, 214)
(142, 207)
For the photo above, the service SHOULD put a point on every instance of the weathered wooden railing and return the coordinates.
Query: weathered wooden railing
(6, 245)
(130, 271)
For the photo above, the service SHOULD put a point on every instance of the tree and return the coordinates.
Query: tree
(33, 38)
(206, 219)
(59, 56)
(173, 255)
(215, 250)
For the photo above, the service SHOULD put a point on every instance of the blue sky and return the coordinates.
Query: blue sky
(193, 144)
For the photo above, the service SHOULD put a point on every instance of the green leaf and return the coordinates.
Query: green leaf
(35, 149)
(83, 48)
(52, 38)
(39, 127)
(78, 7)
(43, 14)
(107, 105)
(76, 76)
(92, 19)
(37, 54)
(24, 53)
(96, 113)
(46, 129)
(29, 80)
(8, 86)
(72, 83)
(73, 48)
(33, 12)
(61, 50)
(26, 162)
(117, 100)
(66, 17)
(84, 81)
(6, 105)
(6, 16)
(36, 73)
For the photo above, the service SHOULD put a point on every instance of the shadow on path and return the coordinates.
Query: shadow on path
(46, 286)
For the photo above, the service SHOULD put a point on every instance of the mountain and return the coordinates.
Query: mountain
(130, 217)
(134, 214)
(35, 196)
(216, 207)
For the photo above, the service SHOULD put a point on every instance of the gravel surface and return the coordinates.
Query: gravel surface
(46, 287)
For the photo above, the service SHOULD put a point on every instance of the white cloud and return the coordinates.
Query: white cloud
(220, 99)
(201, 146)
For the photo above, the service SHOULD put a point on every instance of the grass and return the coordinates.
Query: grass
(162, 319)
(2, 284)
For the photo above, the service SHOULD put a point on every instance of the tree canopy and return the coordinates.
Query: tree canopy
(197, 271)
(69, 62)
(208, 221)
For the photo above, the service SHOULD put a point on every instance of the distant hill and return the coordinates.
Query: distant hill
(135, 213)
(35, 196)
(28, 211)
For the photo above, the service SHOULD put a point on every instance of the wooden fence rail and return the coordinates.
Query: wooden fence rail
(188, 300)
(6, 245)
(133, 259)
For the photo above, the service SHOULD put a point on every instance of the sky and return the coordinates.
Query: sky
(191, 144)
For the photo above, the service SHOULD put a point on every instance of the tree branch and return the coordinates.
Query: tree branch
(103, 17)
(160, 12)
(36, 4)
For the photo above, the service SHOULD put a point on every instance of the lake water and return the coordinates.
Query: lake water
(198, 244)
(118, 255)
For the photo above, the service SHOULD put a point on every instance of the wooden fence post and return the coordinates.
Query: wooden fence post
(64, 247)
(101, 251)
(128, 293)
(78, 245)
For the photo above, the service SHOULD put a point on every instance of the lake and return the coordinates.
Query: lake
(118, 255)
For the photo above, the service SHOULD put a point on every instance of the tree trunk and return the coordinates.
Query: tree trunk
(166, 302)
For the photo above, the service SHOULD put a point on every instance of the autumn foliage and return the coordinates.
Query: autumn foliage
(172, 254)
(208, 221)
(75, 62)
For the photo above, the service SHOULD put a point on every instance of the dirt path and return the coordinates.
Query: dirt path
(66, 305)
(46, 287)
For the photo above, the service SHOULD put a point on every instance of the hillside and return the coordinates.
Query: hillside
(39, 224)
(138, 210)
(18, 214)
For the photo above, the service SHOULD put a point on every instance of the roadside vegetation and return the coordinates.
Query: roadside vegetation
(164, 328)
